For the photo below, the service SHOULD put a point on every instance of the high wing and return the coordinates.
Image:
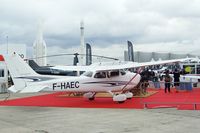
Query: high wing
(72, 68)
(108, 66)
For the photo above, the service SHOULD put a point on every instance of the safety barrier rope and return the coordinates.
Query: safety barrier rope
(172, 103)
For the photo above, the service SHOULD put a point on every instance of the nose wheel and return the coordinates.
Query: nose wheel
(121, 102)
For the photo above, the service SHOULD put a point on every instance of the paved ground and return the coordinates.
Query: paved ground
(72, 120)
(4, 96)
(76, 120)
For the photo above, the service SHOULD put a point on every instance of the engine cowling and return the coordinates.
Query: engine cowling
(129, 95)
(119, 98)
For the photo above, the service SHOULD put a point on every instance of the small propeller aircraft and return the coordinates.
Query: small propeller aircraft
(103, 77)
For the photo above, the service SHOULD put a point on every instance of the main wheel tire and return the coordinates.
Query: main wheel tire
(91, 98)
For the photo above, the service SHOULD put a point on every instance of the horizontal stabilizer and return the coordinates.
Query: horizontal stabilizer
(12, 89)
(33, 88)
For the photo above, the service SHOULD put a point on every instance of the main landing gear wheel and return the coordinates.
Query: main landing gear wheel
(91, 98)
(90, 95)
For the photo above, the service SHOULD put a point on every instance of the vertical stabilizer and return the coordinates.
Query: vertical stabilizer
(18, 69)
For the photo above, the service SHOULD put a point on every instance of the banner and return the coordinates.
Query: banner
(130, 51)
(88, 54)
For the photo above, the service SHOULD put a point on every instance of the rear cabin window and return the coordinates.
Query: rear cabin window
(100, 75)
(114, 73)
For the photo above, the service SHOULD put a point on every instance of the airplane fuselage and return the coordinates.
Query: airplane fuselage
(86, 84)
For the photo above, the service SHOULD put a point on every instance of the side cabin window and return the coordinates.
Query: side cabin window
(114, 73)
(100, 75)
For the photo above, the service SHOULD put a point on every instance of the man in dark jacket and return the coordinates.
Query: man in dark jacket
(176, 79)
(168, 80)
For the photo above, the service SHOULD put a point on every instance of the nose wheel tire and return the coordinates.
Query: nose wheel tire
(121, 102)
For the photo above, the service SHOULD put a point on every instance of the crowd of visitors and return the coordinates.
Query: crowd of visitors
(170, 78)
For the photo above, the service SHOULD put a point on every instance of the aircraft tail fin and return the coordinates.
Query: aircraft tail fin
(18, 70)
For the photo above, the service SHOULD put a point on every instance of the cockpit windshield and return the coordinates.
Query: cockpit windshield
(123, 72)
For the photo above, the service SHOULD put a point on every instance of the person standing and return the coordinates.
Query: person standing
(176, 79)
(168, 80)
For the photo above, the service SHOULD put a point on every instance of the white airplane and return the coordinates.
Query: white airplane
(106, 77)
